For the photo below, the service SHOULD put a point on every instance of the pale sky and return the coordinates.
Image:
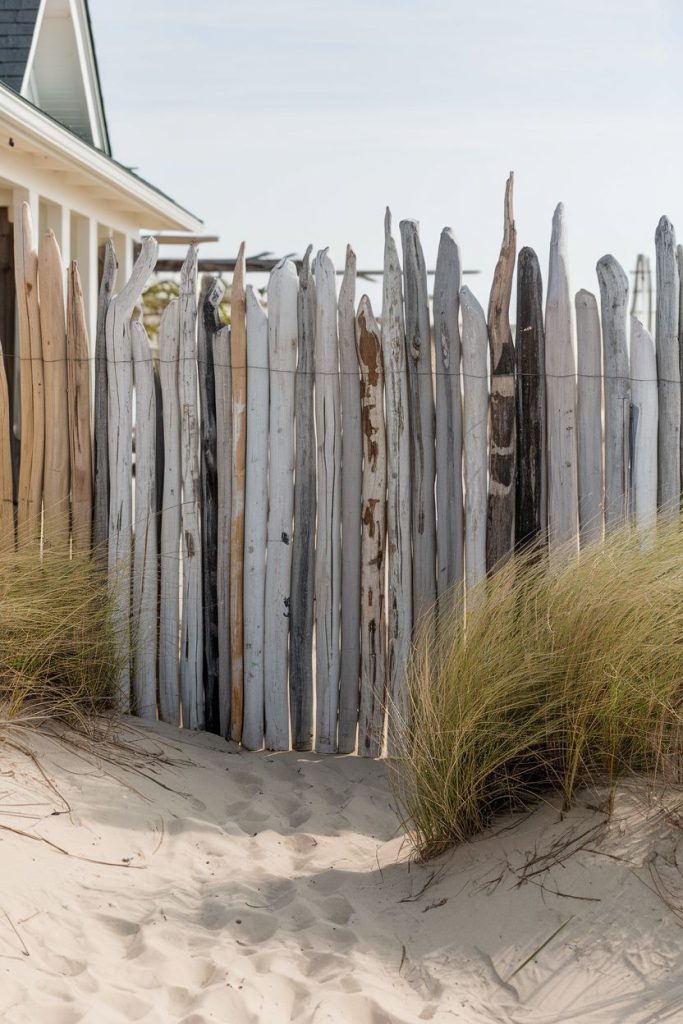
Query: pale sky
(288, 123)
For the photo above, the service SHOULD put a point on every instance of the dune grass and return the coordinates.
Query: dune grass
(562, 676)
(59, 652)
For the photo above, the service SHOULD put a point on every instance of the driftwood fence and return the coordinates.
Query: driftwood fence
(279, 501)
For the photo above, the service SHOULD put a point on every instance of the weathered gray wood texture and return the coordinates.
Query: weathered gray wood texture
(668, 369)
(589, 418)
(643, 427)
(220, 337)
(238, 357)
(531, 493)
(617, 388)
(100, 431)
(475, 422)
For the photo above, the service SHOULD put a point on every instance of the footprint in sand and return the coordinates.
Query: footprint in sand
(337, 909)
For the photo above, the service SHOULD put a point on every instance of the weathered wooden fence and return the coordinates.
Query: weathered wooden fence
(327, 477)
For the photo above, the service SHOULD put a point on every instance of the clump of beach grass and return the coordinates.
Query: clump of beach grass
(60, 655)
(563, 675)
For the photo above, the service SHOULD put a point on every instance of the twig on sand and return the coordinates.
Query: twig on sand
(10, 922)
(538, 949)
(67, 853)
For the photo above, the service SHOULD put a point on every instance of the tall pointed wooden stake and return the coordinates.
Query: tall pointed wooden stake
(589, 417)
(531, 513)
(220, 339)
(169, 588)
(53, 334)
(100, 444)
(668, 369)
(614, 304)
(644, 427)
(80, 443)
(6, 486)
(475, 419)
(238, 349)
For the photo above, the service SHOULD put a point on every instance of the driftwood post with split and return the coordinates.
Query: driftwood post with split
(220, 341)
(191, 647)
(80, 443)
(500, 532)
(352, 456)
(53, 335)
(238, 350)
(282, 341)
(30, 489)
(145, 581)
(303, 546)
(399, 569)
(328, 547)
(475, 421)
(255, 521)
(617, 386)
(668, 369)
(531, 518)
(120, 428)
(169, 586)
(421, 400)
(589, 417)
(449, 512)
(643, 427)
(373, 520)
(208, 323)
(100, 442)
(560, 372)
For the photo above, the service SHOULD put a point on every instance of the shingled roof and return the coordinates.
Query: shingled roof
(17, 24)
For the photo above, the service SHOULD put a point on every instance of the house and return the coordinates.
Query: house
(55, 151)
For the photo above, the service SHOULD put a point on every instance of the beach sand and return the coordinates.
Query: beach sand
(177, 878)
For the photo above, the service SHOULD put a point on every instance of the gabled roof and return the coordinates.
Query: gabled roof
(17, 26)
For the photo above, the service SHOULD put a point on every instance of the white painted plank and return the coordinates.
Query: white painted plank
(475, 422)
(617, 388)
(589, 417)
(644, 427)
(255, 521)
(282, 342)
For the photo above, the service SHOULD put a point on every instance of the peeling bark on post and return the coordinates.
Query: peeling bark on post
(531, 518)
(475, 423)
(169, 591)
(100, 442)
(373, 519)
(6, 486)
(351, 469)
(53, 336)
(223, 381)
(617, 386)
(560, 372)
(500, 532)
(328, 548)
(30, 490)
(191, 647)
(120, 430)
(644, 427)
(400, 592)
(80, 442)
(208, 322)
(282, 341)
(238, 349)
(589, 417)
(421, 399)
(303, 547)
(255, 521)
(449, 512)
(145, 590)
(668, 370)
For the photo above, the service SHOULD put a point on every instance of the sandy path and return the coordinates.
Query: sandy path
(248, 887)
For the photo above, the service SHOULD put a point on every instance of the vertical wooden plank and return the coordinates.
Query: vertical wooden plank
(208, 322)
(373, 519)
(30, 490)
(145, 555)
(53, 337)
(169, 589)
(8, 333)
(6, 486)
(255, 521)
(100, 443)
(421, 401)
(80, 441)
(282, 341)
(617, 387)
(303, 547)
(351, 468)
(500, 532)
(191, 637)
(399, 569)
(531, 518)
(449, 512)
(668, 369)
(120, 430)
(328, 547)
(589, 417)
(644, 426)
(648, 324)
(238, 350)
(560, 369)
(223, 384)
(475, 422)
